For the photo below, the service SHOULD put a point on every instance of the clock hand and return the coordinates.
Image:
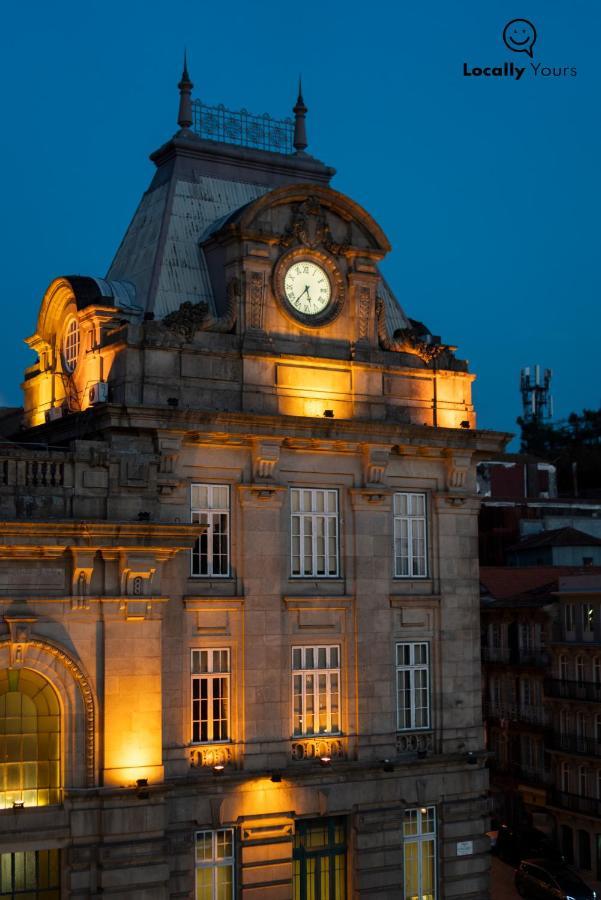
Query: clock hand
(301, 294)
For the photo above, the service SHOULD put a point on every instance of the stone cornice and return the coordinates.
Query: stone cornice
(53, 537)
(226, 426)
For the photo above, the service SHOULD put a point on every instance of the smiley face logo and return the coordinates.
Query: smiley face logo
(520, 35)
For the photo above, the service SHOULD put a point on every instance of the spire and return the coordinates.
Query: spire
(300, 131)
(184, 117)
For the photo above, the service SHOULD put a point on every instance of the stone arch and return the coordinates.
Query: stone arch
(70, 682)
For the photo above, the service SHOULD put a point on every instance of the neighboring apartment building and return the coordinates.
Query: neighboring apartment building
(238, 557)
(541, 652)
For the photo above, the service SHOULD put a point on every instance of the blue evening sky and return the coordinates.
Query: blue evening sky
(489, 189)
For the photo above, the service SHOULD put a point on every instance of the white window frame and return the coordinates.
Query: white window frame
(417, 839)
(316, 690)
(406, 528)
(217, 675)
(306, 525)
(218, 860)
(210, 515)
(71, 344)
(412, 673)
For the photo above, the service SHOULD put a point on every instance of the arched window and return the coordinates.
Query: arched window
(30, 724)
(71, 341)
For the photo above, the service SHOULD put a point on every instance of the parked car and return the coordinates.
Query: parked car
(513, 845)
(542, 879)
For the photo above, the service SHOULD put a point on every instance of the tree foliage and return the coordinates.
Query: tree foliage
(574, 446)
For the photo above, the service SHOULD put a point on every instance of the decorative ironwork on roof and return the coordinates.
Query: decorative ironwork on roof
(217, 123)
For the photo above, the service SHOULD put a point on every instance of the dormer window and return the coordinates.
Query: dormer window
(71, 342)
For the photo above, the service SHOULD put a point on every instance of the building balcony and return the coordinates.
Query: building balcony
(574, 743)
(516, 656)
(532, 775)
(587, 806)
(573, 690)
(531, 715)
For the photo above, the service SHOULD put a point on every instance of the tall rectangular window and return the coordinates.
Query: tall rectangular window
(314, 532)
(315, 690)
(210, 695)
(210, 505)
(30, 874)
(319, 859)
(419, 853)
(215, 861)
(413, 686)
(410, 545)
(569, 612)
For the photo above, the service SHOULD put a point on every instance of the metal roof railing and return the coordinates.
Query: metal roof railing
(218, 123)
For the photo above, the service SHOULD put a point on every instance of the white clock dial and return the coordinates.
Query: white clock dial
(307, 287)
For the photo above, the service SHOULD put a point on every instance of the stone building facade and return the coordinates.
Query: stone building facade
(238, 559)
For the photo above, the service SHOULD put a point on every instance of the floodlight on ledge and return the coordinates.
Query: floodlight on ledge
(325, 760)
(218, 769)
(18, 804)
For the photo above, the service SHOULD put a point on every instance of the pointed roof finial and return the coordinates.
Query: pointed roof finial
(300, 130)
(184, 116)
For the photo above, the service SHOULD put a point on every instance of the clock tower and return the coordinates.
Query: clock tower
(238, 561)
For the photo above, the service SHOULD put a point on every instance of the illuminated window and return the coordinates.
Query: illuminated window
(33, 874)
(211, 507)
(316, 690)
(413, 686)
(210, 696)
(29, 740)
(588, 619)
(71, 342)
(314, 532)
(419, 853)
(215, 862)
(410, 535)
(319, 858)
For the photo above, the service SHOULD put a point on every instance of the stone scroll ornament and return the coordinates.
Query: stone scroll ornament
(405, 340)
(193, 317)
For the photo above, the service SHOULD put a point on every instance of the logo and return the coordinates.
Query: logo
(520, 36)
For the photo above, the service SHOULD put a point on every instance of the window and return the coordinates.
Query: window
(569, 612)
(563, 667)
(215, 864)
(210, 505)
(597, 670)
(413, 686)
(565, 777)
(598, 784)
(419, 853)
(32, 874)
(496, 695)
(580, 669)
(564, 722)
(580, 724)
(315, 690)
(584, 850)
(319, 859)
(30, 725)
(588, 619)
(210, 695)
(582, 780)
(410, 535)
(314, 532)
(71, 345)
(598, 728)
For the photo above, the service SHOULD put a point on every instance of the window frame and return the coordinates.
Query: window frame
(314, 516)
(418, 839)
(71, 344)
(412, 668)
(211, 512)
(304, 672)
(216, 862)
(212, 677)
(397, 518)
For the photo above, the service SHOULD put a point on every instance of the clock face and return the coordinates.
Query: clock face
(307, 287)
